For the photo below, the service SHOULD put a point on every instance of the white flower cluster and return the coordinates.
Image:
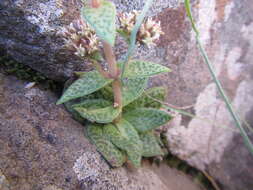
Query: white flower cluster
(149, 32)
(80, 38)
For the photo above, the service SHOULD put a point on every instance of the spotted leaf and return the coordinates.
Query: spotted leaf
(125, 137)
(100, 111)
(145, 119)
(106, 93)
(133, 89)
(145, 100)
(87, 84)
(141, 69)
(102, 20)
(110, 152)
(150, 145)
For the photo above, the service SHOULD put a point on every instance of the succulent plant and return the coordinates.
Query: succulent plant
(122, 115)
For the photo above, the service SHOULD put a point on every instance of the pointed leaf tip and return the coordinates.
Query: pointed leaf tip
(87, 84)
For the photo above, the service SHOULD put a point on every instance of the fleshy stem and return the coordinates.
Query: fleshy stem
(114, 73)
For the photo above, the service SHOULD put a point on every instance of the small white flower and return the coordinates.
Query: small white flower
(79, 37)
(128, 20)
(149, 31)
(80, 51)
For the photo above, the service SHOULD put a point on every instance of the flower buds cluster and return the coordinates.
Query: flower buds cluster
(127, 21)
(149, 31)
(80, 38)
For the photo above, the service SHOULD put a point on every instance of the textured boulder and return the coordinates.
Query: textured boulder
(28, 32)
(42, 148)
(213, 143)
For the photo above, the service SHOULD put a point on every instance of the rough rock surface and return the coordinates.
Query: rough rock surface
(213, 143)
(42, 148)
(28, 32)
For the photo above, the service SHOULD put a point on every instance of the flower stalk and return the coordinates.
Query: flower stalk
(114, 73)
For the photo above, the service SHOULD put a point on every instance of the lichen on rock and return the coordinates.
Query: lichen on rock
(4, 184)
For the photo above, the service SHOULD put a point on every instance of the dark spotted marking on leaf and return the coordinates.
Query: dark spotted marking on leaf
(150, 145)
(124, 136)
(98, 110)
(137, 68)
(103, 20)
(133, 89)
(145, 119)
(87, 84)
(145, 99)
(111, 153)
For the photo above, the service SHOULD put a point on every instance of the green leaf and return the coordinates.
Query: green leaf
(100, 111)
(132, 89)
(87, 84)
(96, 97)
(75, 114)
(93, 104)
(125, 137)
(158, 93)
(145, 119)
(111, 153)
(150, 145)
(135, 148)
(105, 93)
(103, 20)
(141, 69)
(68, 105)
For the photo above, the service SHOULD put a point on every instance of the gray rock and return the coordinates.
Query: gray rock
(28, 33)
(4, 184)
(41, 147)
(157, 6)
(211, 141)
